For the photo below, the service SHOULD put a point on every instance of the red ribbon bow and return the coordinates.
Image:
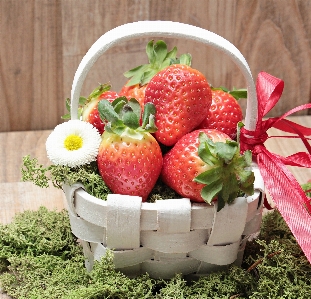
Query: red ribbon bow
(285, 191)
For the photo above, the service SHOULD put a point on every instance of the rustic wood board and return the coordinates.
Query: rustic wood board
(40, 53)
(18, 197)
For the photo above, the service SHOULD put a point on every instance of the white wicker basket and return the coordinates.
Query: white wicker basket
(168, 236)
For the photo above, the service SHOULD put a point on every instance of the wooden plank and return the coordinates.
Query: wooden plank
(289, 146)
(43, 49)
(4, 296)
(18, 197)
(31, 65)
(98, 20)
(16, 145)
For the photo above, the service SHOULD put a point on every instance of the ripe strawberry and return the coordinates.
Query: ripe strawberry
(206, 163)
(129, 158)
(90, 110)
(159, 58)
(182, 97)
(136, 91)
(224, 113)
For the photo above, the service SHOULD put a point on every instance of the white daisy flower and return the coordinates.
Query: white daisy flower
(73, 143)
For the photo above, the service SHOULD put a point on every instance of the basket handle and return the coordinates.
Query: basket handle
(164, 29)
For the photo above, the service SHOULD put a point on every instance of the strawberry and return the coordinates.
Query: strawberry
(90, 110)
(159, 58)
(136, 91)
(182, 97)
(206, 163)
(224, 112)
(129, 158)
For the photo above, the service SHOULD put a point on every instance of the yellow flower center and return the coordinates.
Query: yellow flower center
(73, 142)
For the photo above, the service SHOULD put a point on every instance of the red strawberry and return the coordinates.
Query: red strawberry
(224, 113)
(182, 98)
(90, 110)
(136, 91)
(206, 163)
(159, 58)
(129, 158)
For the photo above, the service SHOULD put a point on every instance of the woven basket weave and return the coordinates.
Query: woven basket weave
(168, 236)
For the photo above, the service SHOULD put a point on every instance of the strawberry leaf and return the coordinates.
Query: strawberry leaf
(106, 112)
(220, 203)
(129, 118)
(226, 151)
(98, 91)
(185, 59)
(66, 116)
(147, 76)
(159, 53)
(139, 69)
(230, 172)
(118, 104)
(171, 54)
(151, 127)
(123, 117)
(159, 58)
(236, 93)
(209, 176)
(209, 192)
(148, 122)
(136, 75)
(239, 93)
(206, 150)
(82, 101)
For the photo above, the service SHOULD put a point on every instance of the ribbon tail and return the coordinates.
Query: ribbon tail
(289, 198)
(300, 159)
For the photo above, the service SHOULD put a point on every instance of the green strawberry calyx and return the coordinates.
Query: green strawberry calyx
(229, 174)
(236, 93)
(83, 100)
(159, 58)
(123, 117)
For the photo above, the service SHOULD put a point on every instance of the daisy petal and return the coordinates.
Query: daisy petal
(73, 143)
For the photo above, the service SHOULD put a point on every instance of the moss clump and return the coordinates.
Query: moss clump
(40, 258)
(87, 175)
(161, 191)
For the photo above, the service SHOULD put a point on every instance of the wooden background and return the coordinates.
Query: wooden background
(43, 41)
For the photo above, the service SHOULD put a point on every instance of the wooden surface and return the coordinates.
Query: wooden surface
(43, 41)
(17, 196)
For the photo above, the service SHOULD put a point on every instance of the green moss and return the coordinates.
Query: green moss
(161, 191)
(87, 175)
(40, 258)
(36, 233)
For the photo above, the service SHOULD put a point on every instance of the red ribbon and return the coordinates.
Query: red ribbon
(285, 191)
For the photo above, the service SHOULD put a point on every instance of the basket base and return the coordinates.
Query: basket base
(163, 268)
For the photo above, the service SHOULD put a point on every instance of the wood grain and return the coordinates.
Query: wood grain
(31, 64)
(18, 197)
(41, 51)
(16, 145)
